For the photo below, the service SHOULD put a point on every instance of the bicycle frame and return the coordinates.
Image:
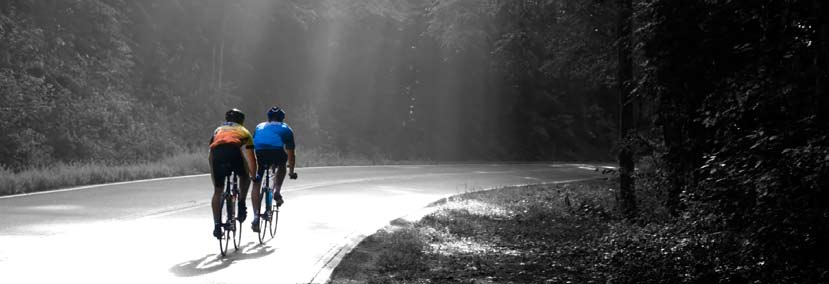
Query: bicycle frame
(269, 192)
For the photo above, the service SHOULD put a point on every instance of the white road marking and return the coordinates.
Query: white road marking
(97, 185)
(306, 168)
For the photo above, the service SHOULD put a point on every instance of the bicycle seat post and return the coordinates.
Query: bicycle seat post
(228, 186)
(267, 176)
(235, 181)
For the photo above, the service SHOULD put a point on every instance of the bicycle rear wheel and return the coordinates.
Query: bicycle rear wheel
(263, 220)
(274, 219)
(224, 240)
(237, 234)
(233, 228)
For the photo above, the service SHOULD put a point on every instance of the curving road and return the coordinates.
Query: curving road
(159, 231)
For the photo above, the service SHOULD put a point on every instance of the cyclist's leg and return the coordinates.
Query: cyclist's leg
(244, 184)
(281, 160)
(262, 161)
(215, 203)
(238, 166)
(279, 178)
(219, 174)
(255, 198)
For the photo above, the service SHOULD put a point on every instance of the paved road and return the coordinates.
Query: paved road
(159, 231)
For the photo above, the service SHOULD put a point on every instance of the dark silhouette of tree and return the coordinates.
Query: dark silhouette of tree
(627, 197)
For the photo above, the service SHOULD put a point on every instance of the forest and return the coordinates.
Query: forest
(122, 81)
(721, 105)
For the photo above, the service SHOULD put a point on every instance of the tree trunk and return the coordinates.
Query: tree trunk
(221, 58)
(213, 68)
(821, 64)
(221, 63)
(626, 198)
(672, 135)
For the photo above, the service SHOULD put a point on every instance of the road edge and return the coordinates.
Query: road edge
(580, 165)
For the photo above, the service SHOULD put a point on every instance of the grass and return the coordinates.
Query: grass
(567, 233)
(318, 157)
(63, 175)
(534, 234)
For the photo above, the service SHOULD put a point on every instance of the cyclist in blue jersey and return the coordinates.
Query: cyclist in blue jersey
(273, 142)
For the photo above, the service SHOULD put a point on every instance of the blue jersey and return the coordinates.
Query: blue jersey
(273, 135)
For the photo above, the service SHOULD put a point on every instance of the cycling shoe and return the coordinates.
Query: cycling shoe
(278, 199)
(217, 231)
(243, 213)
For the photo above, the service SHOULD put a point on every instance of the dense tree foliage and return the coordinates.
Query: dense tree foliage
(66, 86)
(556, 62)
(125, 80)
(740, 104)
(730, 100)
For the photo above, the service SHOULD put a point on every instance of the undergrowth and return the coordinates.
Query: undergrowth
(569, 233)
(535, 234)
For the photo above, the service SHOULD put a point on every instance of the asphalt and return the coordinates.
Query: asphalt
(159, 231)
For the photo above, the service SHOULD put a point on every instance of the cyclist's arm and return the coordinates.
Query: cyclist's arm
(251, 158)
(290, 148)
(291, 159)
(247, 152)
(210, 161)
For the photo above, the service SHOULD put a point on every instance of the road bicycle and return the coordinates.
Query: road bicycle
(231, 225)
(270, 215)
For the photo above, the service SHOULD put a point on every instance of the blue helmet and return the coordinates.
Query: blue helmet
(276, 113)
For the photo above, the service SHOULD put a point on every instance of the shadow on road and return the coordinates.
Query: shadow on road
(214, 262)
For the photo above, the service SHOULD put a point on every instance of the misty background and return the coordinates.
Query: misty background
(121, 81)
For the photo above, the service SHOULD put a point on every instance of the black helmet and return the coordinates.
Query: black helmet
(235, 115)
(276, 113)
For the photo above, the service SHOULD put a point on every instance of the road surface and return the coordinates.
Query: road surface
(159, 231)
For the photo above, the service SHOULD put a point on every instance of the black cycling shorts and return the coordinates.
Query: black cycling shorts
(226, 159)
(269, 157)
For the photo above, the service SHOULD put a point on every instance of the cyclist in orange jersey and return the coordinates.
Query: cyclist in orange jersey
(230, 143)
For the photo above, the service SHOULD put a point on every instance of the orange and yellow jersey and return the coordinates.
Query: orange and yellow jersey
(231, 133)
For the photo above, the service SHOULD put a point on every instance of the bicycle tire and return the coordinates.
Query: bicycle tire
(231, 220)
(237, 234)
(223, 241)
(263, 221)
(274, 219)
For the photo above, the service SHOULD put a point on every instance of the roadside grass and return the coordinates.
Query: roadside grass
(194, 161)
(318, 157)
(63, 175)
(568, 233)
(532, 234)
